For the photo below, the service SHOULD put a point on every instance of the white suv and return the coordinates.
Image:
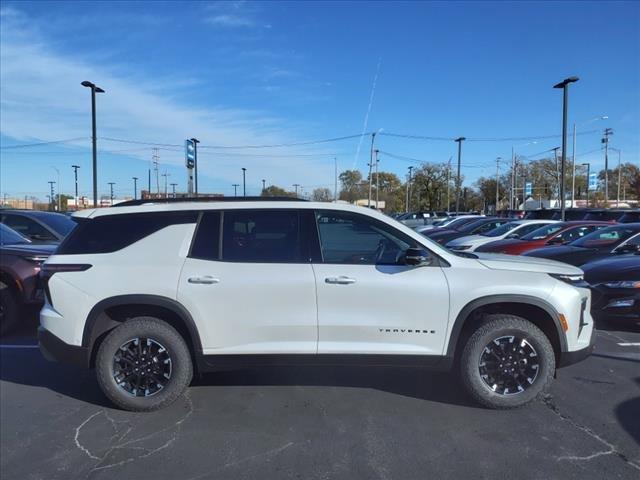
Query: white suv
(148, 294)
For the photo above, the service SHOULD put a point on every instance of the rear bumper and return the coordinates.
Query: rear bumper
(56, 350)
(569, 358)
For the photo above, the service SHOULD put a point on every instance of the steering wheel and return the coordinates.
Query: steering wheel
(382, 247)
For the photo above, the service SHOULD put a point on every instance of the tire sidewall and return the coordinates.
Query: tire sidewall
(169, 338)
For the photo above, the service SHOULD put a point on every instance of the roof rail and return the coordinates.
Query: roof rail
(133, 203)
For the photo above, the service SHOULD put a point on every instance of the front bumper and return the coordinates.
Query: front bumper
(569, 358)
(55, 350)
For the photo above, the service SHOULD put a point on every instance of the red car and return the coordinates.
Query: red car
(552, 234)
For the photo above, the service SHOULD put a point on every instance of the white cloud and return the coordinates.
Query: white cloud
(42, 99)
(227, 20)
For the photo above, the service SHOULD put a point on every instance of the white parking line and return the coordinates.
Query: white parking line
(18, 346)
(634, 344)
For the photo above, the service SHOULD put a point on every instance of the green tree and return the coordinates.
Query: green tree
(351, 188)
(322, 195)
(275, 191)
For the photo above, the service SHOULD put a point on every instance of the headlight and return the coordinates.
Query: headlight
(460, 247)
(623, 284)
(577, 280)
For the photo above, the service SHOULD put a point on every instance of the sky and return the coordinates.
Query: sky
(238, 74)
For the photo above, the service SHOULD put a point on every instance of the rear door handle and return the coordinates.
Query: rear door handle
(204, 280)
(341, 280)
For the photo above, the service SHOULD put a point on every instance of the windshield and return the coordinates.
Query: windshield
(496, 232)
(11, 237)
(605, 237)
(542, 232)
(61, 224)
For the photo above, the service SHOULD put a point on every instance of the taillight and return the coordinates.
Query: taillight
(49, 269)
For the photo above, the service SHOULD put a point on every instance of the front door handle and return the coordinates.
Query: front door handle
(341, 280)
(204, 280)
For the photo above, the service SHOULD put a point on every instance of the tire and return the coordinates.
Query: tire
(138, 392)
(482, 363)
(9, 309)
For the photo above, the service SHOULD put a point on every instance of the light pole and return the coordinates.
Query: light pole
(605, 140)
(408, 186)
(195, 162)
(111, 184)
(75, 174)
(588, 165)
(573, 180)
(373, 139)
(235, 189)
(173, 190)
(296, 185)
(59, 186)
(244, 182)
(51, 204)
(564, 85)
(94, 89)
(459, 140)
(135, 187)
(497, 183)
(263, 184)
(376, 151)
(165, 175)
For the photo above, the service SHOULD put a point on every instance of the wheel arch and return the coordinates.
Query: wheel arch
(111, 312)
(536, 310)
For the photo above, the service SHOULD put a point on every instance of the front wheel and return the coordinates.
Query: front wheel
(507, 362)
(143, 365)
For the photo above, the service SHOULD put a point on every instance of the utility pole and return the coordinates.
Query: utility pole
(377, 178)
(94, 89)
(459, 140)
(244, 182)
(173, 189)
(111, 184)
(512, 191)
(195, 162)
(588, 165)
(408, 187)
(75, 174)
(564, 85)
(263, 184)
(149, 179)
(497, 182)
(51, 184)
(155, 158)
(135, 187)
(373, 138)
(235, 189)
(296, 185)
(555, 156)
(605, 140)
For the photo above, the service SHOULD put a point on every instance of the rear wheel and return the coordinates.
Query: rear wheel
(143, 365)
(9, 309)
(507, 362)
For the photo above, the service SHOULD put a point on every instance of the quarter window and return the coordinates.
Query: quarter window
(350, 238)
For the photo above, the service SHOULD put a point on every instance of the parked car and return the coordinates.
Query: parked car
(515, 214)
(477, 227)
(258, 282)
(603, 215)
(554, 234)
(615, 288)
(20, 262)
(39, 227)
(450, 223)
(509, 230)
(541, 214)
(614, 240)
(630, 216)
(416, 219)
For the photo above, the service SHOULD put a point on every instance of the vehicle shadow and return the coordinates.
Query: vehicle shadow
(611, 326)
(414, 382)
(628, 415)
(27, 367)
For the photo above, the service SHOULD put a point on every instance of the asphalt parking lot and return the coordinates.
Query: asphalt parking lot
(321, 423)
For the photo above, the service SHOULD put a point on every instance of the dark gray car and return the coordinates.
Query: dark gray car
(39, 227)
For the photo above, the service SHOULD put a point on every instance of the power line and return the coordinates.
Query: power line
(25, 145)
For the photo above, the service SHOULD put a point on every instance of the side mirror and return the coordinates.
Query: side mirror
(417, 257)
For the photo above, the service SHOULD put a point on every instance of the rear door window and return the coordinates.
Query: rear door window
(28, 227)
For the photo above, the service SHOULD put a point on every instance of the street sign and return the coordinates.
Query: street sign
(528, 189)
(189, 153)
(593, 181)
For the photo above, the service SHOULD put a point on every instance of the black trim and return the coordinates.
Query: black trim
(569, 358)
(56, 350)
(90, 332)
(155, 201)
(210, 363)
(492, 299)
